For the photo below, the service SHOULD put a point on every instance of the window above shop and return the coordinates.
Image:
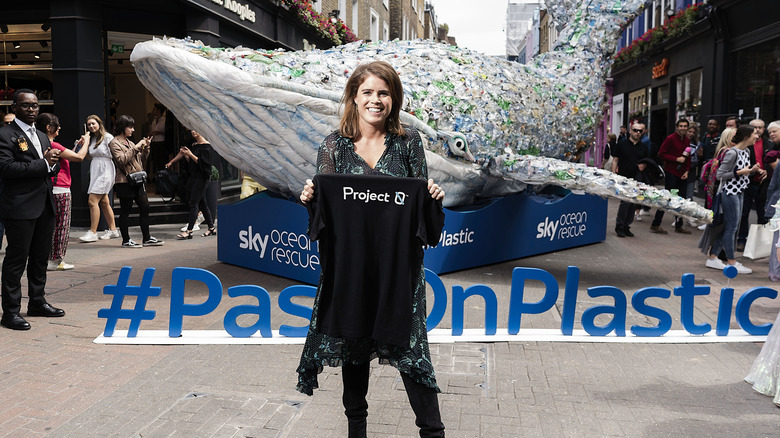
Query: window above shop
(26, 61)
(26, 46)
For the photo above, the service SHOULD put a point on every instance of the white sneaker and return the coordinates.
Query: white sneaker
(715, 263)
(200, 219)
(65, 266)
(195, 228)
(702, 227)
(110, 234)
(89, 236)
(742, 269)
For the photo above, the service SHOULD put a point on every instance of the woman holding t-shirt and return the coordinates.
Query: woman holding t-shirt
(371, 141)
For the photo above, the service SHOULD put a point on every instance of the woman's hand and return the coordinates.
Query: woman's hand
(145, 142)
(307, 194)
(435, 191)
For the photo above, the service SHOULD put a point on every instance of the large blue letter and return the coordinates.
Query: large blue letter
(743, 310)
(687, 291)
(287, 306)
(516, 305)
(570, 300)
(262, 310)
(179, 309)
(664, 319)
(459, 301)
(439, 299)
(618, 323)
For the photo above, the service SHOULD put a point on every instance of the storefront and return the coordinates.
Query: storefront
(727, 64)
(75, 55)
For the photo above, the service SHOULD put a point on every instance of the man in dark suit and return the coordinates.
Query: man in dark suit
(27, 164)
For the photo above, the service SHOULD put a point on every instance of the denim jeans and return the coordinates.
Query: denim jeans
(732, 211)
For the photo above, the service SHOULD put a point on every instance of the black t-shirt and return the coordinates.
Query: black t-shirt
(372, 230)
(628, 155)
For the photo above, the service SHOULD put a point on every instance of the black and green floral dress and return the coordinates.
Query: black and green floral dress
(404, 156)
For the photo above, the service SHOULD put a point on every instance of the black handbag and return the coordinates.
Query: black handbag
(137, 178)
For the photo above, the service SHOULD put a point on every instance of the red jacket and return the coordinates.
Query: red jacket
(671, 149)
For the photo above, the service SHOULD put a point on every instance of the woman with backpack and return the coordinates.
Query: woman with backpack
(709, 172)
(734, 175)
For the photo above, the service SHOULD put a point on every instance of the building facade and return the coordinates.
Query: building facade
(724, 64)
(407, 18)
(75, 55)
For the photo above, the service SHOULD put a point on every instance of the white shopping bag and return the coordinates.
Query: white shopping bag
(759, 242)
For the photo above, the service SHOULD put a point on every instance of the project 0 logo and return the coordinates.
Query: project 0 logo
(350, 194)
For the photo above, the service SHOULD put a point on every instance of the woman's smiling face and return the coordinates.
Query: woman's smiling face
(373, 101)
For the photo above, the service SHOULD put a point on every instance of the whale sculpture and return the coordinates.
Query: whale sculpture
(490, 126)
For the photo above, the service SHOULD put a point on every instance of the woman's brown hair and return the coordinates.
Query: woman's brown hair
(101, 132)
(349, 127)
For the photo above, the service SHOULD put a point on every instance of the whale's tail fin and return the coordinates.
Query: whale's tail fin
(593, 25)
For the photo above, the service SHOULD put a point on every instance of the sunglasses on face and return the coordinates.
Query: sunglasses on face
(636, 130)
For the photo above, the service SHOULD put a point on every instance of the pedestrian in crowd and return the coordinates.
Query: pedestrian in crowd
(732, 122)
(371, 140)
(8, 118)
(27, 164)
(773, 196)
(675, 152)
(606, 159)
(711, 181)
(159, 147)
(62, 196)
(707, 146)
(773, 131)
(734, 174)
(200, 159)
(754, 197)
(623, 133)
(129, 158)
(625, 162)
(710, 141)
(101, 179)
(693, 138)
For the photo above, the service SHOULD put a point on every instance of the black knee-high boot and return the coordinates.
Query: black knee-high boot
(355, 379)
(425, 404)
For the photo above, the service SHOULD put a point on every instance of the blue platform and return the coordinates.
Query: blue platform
(269, 234)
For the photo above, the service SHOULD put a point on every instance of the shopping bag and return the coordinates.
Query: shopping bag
(759, 242)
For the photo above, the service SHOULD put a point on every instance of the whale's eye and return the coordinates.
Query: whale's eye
(460, 143)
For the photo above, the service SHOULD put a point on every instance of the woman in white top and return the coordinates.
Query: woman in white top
(101, 179)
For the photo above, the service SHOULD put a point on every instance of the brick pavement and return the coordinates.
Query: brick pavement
(56, 382)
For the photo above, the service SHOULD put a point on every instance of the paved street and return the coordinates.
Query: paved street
(54, 381)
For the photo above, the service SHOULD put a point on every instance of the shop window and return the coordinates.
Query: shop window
(637, 104)
(756, 81)
(688, 96)
(26, 63)
(660, 95)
